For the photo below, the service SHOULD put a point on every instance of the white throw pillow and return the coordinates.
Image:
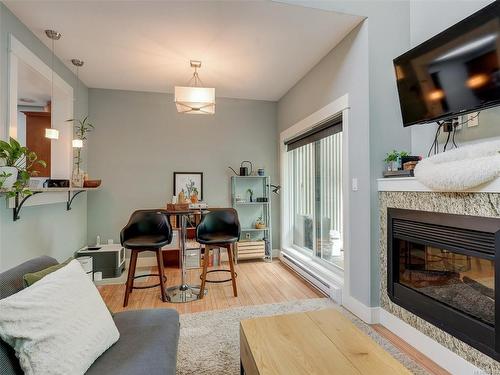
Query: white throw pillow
(59, 325)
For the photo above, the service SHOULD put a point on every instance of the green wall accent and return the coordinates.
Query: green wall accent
(140, 140)
(48, 229)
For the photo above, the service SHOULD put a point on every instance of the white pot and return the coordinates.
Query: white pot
(9, 181)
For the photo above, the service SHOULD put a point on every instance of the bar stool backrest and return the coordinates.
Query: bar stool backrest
(147, 223)
(221, 221)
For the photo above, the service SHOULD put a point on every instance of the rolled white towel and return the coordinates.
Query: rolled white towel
(462, 168)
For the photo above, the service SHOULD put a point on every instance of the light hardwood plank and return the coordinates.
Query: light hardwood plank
(293, 344)
(364, 353)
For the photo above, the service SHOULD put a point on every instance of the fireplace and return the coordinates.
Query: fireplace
(441, 267)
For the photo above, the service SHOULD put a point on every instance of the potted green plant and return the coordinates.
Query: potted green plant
(18, 163)
(260, 223)
(81, 129)
(393, 160)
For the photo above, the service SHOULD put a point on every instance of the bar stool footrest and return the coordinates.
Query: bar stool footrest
(218, 281)
(149, 286)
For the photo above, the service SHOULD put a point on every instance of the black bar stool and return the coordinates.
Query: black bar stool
(147, 230)
(220, 228)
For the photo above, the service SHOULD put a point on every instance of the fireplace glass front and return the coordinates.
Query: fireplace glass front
(441, 267)
(463, 282)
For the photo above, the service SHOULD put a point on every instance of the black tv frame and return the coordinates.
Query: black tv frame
(476, 19)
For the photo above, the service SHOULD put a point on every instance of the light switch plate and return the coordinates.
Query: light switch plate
(355, 184)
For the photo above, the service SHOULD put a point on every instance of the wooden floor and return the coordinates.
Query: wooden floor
(258, 283)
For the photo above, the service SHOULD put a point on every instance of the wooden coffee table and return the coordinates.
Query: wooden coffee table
(313, 343)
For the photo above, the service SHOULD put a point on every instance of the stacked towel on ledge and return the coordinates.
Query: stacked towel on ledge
(462, 168)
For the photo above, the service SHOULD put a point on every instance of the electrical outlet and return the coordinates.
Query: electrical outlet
(472, 119)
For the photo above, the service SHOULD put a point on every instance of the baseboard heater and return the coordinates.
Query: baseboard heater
(318, 282)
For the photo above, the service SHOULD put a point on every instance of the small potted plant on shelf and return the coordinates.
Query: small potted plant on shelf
(393, 160)
(260, 223)
(19, 163)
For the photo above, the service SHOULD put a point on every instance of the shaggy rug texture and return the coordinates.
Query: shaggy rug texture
(209, 341)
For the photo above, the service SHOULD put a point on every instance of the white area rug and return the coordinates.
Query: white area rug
(209, 341)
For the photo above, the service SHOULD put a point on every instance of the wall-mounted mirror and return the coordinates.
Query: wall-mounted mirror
(34, 114)
(37, 103)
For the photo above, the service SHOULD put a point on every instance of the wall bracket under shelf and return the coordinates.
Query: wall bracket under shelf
(71, 197)
(19, 204)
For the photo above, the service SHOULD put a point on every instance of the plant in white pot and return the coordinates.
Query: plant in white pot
(18, 162)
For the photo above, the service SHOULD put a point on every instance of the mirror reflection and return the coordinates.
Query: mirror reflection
(34, 115)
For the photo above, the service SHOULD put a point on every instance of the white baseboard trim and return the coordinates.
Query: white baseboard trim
(438, 353)
(367, 314)
(315, 274)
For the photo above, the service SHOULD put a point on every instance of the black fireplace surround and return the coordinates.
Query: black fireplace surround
(442, 267)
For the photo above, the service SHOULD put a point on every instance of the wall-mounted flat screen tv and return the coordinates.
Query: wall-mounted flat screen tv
(454, 73)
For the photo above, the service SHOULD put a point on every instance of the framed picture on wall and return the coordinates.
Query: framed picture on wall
(189, 182)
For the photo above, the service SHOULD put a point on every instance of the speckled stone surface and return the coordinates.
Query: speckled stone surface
(477, 204)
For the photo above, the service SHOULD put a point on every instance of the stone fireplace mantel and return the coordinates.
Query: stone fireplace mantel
(412, 184)
(409, 194)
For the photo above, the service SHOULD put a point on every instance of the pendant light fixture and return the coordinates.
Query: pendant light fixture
(77, 143)
(52, 133)
(195, 98)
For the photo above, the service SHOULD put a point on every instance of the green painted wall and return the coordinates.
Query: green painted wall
(374, 118)
(140, 140)
(47, 229)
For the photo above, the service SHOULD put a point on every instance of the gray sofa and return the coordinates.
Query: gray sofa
(148, 338)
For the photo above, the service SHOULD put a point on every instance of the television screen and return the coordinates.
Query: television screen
(454, 73)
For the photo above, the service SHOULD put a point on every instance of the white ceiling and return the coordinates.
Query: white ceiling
(249, 49)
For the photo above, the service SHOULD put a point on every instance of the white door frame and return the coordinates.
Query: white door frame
(62, 106)
(340, 105)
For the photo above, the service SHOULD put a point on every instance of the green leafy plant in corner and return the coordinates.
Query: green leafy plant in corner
(81, 128)
(20, 186)
(19, 156)
(24, 160)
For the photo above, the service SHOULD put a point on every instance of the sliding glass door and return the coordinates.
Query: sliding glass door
(315, 195)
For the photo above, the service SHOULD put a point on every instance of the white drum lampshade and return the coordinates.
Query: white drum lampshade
(51, 133)
(195, 100)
